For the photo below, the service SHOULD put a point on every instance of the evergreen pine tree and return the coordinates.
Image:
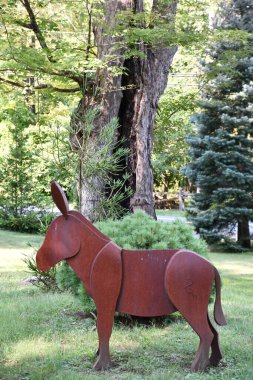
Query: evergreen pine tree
(16, 175)
(222, 149)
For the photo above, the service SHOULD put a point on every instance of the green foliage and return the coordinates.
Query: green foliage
(229, 245)
(170, 152)
(63, 51)
(49, 56)
(31, 221)
(98, 164)
(139, 231)
(16, 170)
(35, 150)
(179, 101)
(222, 149)
(152, 26)
(43, 280)
(67, 280)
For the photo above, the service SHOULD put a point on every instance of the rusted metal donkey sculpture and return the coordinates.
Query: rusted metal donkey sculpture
(137, 282)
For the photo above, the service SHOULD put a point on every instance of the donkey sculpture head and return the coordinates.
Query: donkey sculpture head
(62, 240)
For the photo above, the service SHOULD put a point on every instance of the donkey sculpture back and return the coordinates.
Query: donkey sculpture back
(136, 282)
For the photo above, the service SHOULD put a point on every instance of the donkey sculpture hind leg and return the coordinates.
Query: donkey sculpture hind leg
(185, 275)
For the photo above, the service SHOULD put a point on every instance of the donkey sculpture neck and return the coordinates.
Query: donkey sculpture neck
(145, 283)
(92, 242)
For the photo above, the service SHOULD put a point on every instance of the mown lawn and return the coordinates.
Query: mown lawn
(170, 212)
(41, 338)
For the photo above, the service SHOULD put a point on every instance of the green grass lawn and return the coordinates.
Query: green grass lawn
(41, 338)
(170, 212)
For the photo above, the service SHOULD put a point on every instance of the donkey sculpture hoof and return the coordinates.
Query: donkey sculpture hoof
(215, 359)
(200, 365)
(102, 365)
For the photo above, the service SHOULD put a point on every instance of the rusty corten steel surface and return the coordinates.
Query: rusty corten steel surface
(142, 291)
(137, 282)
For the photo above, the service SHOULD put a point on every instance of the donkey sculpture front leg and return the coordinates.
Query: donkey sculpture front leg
(104, 330)
(106, 276)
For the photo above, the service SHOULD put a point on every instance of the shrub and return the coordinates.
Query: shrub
(43, 280)
(66, 279)
(32, 221)
(137, 231)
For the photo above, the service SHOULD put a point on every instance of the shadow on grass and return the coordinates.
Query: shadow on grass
(143, 358)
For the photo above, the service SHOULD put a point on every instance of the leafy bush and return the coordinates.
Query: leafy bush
(137, 231)
(33, 222)
(66, 279)
(43, 280)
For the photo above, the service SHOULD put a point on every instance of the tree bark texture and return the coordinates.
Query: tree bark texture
(103, 93)
(148, 76)
(133, 98)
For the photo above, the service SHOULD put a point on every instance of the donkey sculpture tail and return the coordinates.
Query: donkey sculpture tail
(218, 313)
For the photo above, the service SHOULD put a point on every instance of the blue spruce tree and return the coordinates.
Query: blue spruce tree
(222, 150)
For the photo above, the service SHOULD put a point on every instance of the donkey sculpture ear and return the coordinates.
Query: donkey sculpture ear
(59, 198)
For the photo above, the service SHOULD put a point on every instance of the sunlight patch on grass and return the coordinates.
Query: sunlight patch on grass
(28, 349)
(14, 254)
(237, 268)
(235, 264)
(10, 239)
(12, 259)
(126, 345)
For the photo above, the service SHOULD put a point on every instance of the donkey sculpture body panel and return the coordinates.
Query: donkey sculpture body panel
(136, 282)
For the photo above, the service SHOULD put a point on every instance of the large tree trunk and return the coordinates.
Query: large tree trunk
(104, 93)
(148, 76)
(135, 106)
(243, 233)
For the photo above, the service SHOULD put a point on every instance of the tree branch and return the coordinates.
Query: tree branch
(8, 37)
(39, 86)
(12, 83)
(64, 73)
(50, 87)
(35, 28)
(24, 24)
(89, 12)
